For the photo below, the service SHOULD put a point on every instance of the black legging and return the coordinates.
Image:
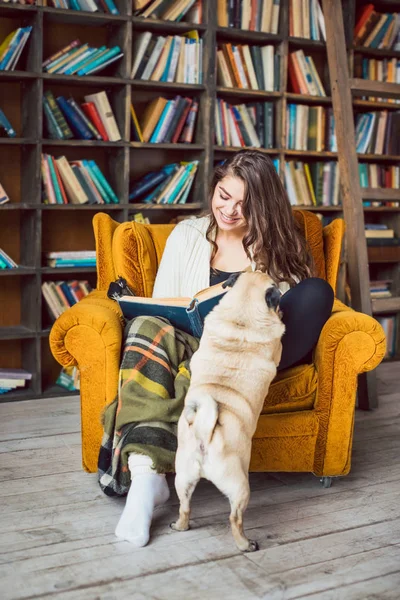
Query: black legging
(306, 308)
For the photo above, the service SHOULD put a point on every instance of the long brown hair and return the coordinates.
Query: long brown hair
(276, 242)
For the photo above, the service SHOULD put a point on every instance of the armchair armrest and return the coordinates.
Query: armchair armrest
(350, 343)
(89, 335)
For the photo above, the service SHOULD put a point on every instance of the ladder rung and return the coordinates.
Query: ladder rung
(389, 194)
(365, 87)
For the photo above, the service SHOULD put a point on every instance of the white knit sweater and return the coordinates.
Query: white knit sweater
(185, 265)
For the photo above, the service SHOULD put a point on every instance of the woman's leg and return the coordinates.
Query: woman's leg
(139, 441)
(305, 308)
(148, 490)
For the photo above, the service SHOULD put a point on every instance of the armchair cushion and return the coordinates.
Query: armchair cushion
(136, 252)
(292, 390)
(311, 228)
(135, 257)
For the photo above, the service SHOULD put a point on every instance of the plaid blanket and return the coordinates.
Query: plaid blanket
(153, 380)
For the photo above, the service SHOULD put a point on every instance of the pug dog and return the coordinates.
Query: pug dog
(231, 372)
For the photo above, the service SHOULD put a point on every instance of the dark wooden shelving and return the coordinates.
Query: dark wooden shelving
(165, 27)
(246, 36)
(376, 52)
(236, 148)
(247, 94)
(16, 333)
(177, 207)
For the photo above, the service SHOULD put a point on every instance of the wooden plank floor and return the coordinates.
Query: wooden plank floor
(56, 536)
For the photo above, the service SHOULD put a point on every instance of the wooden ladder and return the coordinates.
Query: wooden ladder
(342, 89)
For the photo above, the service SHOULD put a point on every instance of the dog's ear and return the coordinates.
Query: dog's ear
(232, 279)
(272, 297)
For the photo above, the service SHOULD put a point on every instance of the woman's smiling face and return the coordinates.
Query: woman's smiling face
(227, 203)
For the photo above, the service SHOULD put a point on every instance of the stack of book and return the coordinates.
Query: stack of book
(379, 176)
(377, 30)
(310, 128)
(6, 262)
(169, 185)
(306, 19)
(381, 288)
(254, 16)
(12, 379)
(92, 119)
(248, 67)
(170, 10)
(314, 184)
(3, 195)
(6, 129)
(71, 258)
(166, 121)
(389, 325)
(379, 234)
(81, 59)
(74, 182)
(69, 379)
(11, 48)
(61, 295)
(106, 6)
(172, 58)
(378, 132)
(303, 75)
(244, 124)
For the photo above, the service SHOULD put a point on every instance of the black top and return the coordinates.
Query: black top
(217, 276)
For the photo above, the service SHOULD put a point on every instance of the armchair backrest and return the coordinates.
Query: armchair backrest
(133, 251)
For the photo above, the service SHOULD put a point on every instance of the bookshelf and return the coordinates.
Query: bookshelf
(30, 228)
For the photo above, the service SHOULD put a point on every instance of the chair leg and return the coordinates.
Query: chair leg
(326, 482)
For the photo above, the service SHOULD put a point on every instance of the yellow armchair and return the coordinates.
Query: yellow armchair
(308, 416)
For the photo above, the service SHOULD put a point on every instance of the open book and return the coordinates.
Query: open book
(187, 314)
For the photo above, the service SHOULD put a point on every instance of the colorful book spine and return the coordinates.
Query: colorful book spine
(98, 182)
(75, 106)
(105, 64)
(59, 117)
(104, 182)
(91, 112)
(54, 181)
(77, 124)
(100, 61)
(5, 123)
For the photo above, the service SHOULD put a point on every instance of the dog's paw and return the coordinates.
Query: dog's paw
(174, 527)
(253, 546)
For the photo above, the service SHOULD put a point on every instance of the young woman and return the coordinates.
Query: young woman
(250, 225)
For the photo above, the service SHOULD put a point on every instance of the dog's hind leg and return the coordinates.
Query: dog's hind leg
(237, 490)
(184, 488)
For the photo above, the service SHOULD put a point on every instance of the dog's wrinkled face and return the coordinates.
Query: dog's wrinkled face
(273, 297)
(255, 287)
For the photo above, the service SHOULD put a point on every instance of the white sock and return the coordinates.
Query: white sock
(148, 490)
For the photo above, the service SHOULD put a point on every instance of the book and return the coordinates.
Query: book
(6, 262)
(74, 119)
(102, 104)
(80, 59)
(89, 108)
(12, 46)
(3, 195)
(249, 14)
(187, 314)
(6, 125)
(15, 374)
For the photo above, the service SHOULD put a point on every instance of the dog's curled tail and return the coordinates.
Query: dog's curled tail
(202, 413)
